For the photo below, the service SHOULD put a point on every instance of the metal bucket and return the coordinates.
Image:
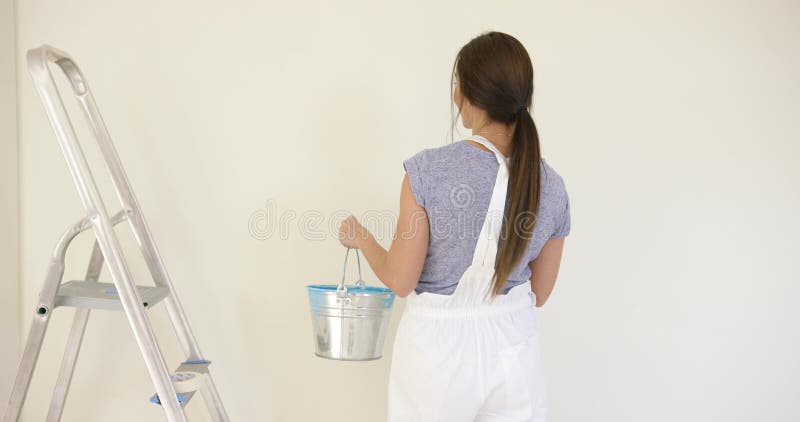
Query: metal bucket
(350, 321)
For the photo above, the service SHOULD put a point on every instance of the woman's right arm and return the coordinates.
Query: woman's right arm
(544, 269)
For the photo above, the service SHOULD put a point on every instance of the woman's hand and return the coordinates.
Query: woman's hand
(400, 268)
(351, 232)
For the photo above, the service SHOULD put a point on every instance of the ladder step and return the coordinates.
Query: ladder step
(197, 366)
(183, 398)
(96, 295)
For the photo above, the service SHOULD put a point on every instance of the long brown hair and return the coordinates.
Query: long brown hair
(495, 74)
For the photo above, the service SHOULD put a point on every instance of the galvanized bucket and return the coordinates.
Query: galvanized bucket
(350, 321)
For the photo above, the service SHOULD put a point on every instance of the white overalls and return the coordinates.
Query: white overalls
(460, 358)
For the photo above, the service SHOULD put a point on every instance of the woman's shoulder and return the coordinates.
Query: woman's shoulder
(442, 151)
(451, 152)
(552, 181)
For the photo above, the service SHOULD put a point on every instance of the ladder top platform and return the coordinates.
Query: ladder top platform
(96, 295)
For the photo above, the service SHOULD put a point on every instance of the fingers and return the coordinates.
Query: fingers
(348, 230)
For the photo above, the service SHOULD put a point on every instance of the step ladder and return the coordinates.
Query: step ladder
(87, 294)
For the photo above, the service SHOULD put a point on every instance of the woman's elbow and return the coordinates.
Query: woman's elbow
(401, 293)
(402, 288)
(541, 299)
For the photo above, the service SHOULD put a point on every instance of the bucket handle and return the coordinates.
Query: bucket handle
(341, 290)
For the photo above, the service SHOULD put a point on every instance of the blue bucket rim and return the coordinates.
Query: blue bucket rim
(350, 289)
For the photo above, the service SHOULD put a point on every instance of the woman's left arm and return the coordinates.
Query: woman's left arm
(398, 268)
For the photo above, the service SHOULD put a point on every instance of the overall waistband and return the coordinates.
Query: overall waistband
(444, 306)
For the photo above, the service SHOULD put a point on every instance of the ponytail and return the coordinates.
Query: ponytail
(523, 196)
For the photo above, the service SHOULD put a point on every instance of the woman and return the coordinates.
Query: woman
(467, 347)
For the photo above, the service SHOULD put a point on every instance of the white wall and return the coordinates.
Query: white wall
(9, 202)
(673, 124)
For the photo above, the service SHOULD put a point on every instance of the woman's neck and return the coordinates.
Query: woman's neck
(498, 134)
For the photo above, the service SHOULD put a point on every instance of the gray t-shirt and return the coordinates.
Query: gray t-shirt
(454, 183)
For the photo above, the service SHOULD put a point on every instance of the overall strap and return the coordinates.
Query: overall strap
(486, 248)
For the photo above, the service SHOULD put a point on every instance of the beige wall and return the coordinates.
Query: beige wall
(673, 124)
(9, 203)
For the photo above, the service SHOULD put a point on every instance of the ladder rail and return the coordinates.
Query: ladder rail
(81, 226)
(74, 341)
(141, 231)
(33, 344)
(96, 212)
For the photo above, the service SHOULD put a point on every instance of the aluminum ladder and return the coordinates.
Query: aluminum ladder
(89, 293)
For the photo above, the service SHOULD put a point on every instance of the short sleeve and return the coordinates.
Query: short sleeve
(563, 219)
(412, 166)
